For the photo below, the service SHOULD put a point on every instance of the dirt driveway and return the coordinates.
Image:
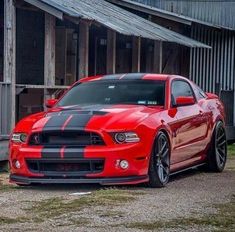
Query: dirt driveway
(193, 201)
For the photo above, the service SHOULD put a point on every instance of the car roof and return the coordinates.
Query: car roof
(130, 76)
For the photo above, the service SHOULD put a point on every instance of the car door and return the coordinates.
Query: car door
(190, 127)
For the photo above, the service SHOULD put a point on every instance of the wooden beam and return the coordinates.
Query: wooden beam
(83, 49)
(136, 47)
(49, 54)
(111, 51)
(49, 50)
(157, 57)
(9, 72)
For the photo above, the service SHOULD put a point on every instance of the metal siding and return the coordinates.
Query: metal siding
(209, 67)
(5, 101)
(212, 11)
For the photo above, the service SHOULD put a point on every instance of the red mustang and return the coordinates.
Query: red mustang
(120, 129)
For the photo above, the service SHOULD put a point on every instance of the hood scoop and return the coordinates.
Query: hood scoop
(76, 112)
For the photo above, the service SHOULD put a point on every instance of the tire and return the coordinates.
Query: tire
(159, 165)
(217, 153)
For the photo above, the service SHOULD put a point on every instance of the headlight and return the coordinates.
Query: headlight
(126, 137)
(19, 137)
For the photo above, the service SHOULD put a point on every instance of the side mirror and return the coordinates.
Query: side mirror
(185, 101)
(50, 103)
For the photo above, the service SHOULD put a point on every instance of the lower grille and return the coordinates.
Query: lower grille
(68, 168)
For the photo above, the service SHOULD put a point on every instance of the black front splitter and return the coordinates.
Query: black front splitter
(103, 181)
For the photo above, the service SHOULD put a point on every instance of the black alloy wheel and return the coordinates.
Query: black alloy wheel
(159, 169)
(217, 154)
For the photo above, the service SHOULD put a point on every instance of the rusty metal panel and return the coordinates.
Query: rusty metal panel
(5, 114)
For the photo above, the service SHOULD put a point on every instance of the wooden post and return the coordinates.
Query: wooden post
(157, 57)
(49, 54)
(136, 47)
(10, 52)
(111, 51)
(83, 49)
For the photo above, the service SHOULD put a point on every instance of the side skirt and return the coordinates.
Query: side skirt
(186, 169)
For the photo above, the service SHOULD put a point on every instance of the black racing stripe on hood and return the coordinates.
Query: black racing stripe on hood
(50, 153)
(79, 120)
(70, 152)
(56, 121)
(134, 76)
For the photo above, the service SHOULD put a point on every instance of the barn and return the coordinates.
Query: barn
(47, 45)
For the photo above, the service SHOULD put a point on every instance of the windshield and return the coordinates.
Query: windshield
(136, 92)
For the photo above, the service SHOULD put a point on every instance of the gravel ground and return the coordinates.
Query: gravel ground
(187, 199)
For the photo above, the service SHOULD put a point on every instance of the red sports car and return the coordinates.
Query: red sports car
(120, 129)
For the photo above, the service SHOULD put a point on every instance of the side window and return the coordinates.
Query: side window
(180, 88)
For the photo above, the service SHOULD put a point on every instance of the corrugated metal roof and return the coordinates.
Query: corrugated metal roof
(117, 19)
(164, 13)
(220, 13)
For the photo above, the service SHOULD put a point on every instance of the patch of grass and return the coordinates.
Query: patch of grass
(55, 207)
(7, 220)
(110, 213)
(79, 222)
(6, 187)
(223, 220)
(231, 150)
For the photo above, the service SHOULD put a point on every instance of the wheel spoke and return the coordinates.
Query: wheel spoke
(220, 137)
(163, 147)
(165, 153)
(157, 155)
(165, 169)
(220, 156)
(165, 162)
(160, 172)
(220, 151)
(221, 143)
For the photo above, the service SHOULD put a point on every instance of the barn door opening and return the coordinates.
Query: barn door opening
(66, 53)
(124, 54)
(97, 50)
(30, 47)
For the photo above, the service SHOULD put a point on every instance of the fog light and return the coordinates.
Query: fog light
(17, 164)
(124, 164)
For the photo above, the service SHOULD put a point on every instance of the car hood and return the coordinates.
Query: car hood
(93, 117)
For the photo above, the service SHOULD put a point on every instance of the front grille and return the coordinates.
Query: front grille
(63, 138)
(69, 167)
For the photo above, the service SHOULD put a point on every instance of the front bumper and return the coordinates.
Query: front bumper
(103, 181)
(135, 154)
